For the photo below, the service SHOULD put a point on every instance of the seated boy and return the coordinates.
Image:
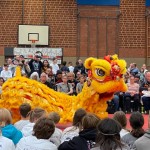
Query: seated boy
(24, 110)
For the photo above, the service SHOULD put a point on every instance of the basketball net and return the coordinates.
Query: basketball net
(33, 44)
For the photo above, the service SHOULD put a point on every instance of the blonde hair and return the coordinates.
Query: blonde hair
(36, 114)
(5, 117)
(71, 74)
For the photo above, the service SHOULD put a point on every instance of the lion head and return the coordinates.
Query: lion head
(106, 75)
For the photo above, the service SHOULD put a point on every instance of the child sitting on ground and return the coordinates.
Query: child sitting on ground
(120, 117)
(56, 137)
(73, 131)
(5, 143)
(43, 129)
(87, 135)
(34, 116)
(24, 110)
(8, 130)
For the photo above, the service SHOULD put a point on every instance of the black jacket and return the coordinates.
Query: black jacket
(85, 141)
(79, 68)
(144, 85)
(35, 66)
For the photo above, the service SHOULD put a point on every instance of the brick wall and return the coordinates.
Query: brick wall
(60, 16)
(10, 17)
(97, 30)
(132, 28)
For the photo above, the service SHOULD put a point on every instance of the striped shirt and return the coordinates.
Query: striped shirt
(133, 88)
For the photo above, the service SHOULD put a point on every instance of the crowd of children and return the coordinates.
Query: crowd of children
(39, 130)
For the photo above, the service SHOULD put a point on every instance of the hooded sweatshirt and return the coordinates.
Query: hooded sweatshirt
(20, 124)
(143, 143)
(12, 133)
(28, 129)
(85, 141)
(32, 143)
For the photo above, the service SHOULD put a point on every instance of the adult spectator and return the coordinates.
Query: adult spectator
(36, 64)
(136, 122)
(1, 83)
(58, 78)
(11, 66)
(45, 65)
(144, 68)
(80, 85)
(79, 67)
(25, 68)
(17, 57)
(120, 117)
(51, 77)
(72, 81)
(6, 74)
(87, 136)
(126, 77)
(34, 76)
(132, 96)
(24, 111)
(108, 137)
(70, 66)
(64, 68)
(145, 85)
(142, 74)
(42, 131)
(134, 70)
(44, 78)
(137, 79)
(64, 86)
(78, 75)
(143, 142)
(55, 66)
(74, 130)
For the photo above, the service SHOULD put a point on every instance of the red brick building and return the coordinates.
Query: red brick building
(82, 30)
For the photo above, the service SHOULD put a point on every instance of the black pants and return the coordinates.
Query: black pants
(132, 102)
(146, 103)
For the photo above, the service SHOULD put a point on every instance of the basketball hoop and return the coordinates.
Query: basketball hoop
(33, 44)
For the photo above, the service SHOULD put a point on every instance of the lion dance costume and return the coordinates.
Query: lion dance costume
(105, 77)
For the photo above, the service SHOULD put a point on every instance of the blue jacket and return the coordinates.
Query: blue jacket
(12, 133)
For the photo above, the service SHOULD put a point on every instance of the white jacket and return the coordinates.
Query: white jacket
(28, 129)
(69, 133)
(32, 143)
(56, 137)
(6, 144)
(21, 123)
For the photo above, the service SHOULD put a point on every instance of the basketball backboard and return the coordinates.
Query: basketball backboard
(37, 33)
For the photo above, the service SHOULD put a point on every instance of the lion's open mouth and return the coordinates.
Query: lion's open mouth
(106, 95)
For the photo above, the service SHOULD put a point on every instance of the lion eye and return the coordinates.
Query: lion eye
(100, 72)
